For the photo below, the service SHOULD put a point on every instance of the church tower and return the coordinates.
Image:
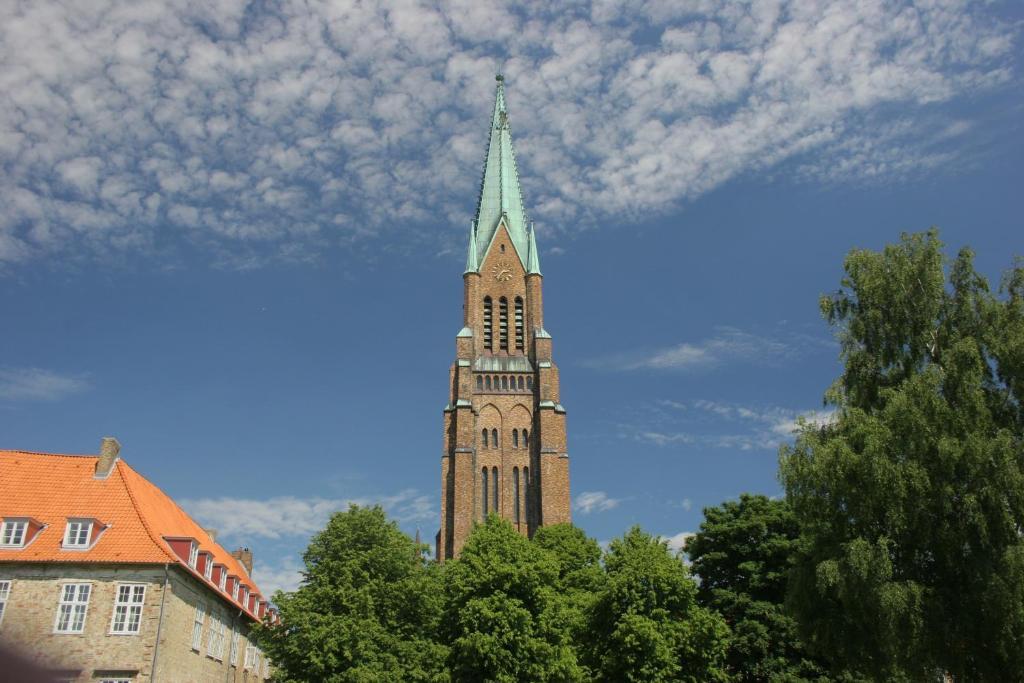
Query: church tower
(504, 428)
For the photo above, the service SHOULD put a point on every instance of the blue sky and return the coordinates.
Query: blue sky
(232, 236)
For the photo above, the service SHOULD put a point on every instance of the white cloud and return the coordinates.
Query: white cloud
(285, 575)
(17, 384)
(594, 501)
(719, 424)
(285, 516)
(677, 541)
(686, 504)
(271, 131)
(728, 345)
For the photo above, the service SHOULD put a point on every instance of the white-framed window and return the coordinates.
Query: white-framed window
(128, 604)
(5, 593)
(215, 638)
(256, 606)
(222, 580)
(193, 555)
(234, 591)
(236, 637)
(250, 656)
(208, 567)
(14, 532)
(197, 627)
(74, 603)
(78, 533)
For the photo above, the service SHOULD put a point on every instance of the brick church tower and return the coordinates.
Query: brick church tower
(504, 428)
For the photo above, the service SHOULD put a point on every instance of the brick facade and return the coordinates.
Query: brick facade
(539, 460)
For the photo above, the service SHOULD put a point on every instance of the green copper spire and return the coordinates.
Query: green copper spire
(472, 265)
(500, 196)
(533, 260)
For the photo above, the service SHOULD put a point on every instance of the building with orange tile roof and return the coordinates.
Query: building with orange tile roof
(104, 578)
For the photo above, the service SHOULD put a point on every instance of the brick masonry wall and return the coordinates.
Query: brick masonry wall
(465, 456)
(31, 611)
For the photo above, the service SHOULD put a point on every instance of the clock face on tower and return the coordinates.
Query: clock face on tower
(502, 271)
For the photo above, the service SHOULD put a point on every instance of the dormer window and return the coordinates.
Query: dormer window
(13, 534)
(234, 591)
(222, 582)
(193, 555)
(78, 533)
(208, 567)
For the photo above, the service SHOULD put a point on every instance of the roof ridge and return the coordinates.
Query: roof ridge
(138, 510)
(56, 455)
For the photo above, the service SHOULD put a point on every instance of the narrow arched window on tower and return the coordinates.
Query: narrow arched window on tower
(515, 438)
(503, 323)
(488, 382)
(484, 432)
(504, 383)
(479, 382)
(488, 336)
(526, 439)
(515, 491)
(494, 437)
(520, 382)
(529, 384)
(519, 323)
(494, 485)
(483, 479)
(526, 494)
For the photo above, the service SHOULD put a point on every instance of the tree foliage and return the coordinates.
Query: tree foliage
(911, 503)
(368, 608)
(742, 554)
(504, 617)
(645, 623)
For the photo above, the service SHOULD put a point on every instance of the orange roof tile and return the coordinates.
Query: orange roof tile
(52, 488)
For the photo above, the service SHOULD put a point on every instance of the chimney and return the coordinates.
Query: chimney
(212, 533)
(244, 555)
(109, 448)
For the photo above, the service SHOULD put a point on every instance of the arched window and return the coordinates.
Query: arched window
(483, 479)
(494, 437)
(479, 382)
(488, 338)
(503, 323)
(515, 491)
(488, 382)
(515, 438)
(485, 437)
(529, 384)
(520, 382)
(494, 484)
(526, 494)
(519, 323)
(504, 383)
(526, 439)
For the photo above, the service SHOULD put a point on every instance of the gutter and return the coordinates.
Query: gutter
(159, 624)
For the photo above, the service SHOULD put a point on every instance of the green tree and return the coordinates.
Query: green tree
(742, 555)
(505, 620)
(911, 503)
(645, 624)
(368, 608)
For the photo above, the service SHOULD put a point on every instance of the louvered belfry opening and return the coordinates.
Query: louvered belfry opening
(503, 323)
(488, 332)
(520, 339)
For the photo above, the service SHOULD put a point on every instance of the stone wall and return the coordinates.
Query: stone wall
(31, 610)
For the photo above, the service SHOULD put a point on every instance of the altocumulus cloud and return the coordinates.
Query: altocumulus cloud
(270, 130)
